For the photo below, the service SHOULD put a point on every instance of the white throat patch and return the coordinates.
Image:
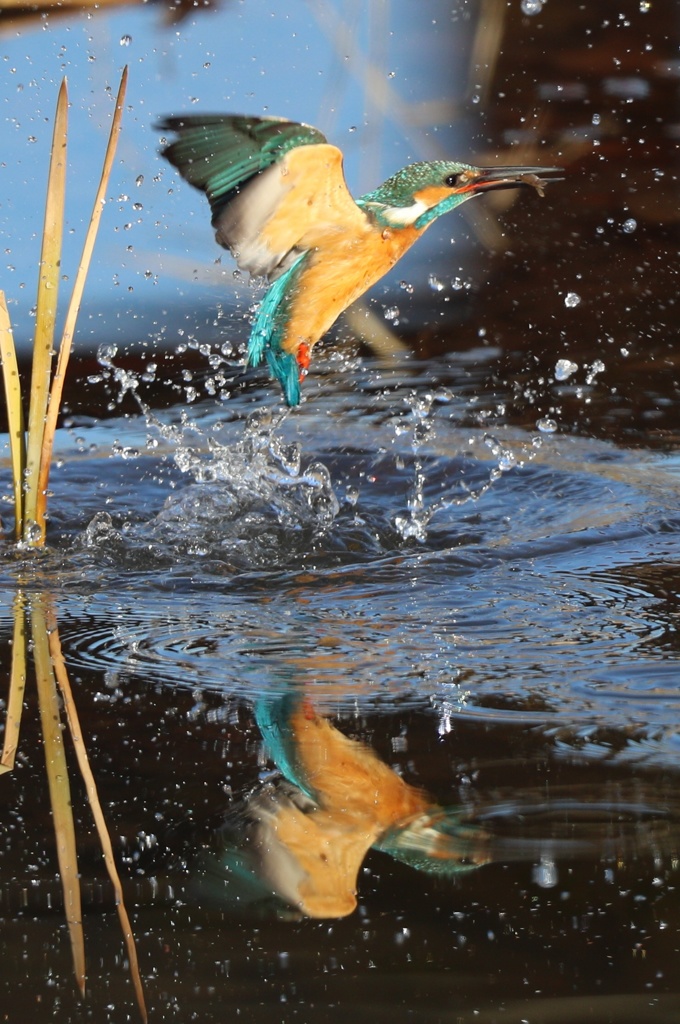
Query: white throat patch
(404, 216)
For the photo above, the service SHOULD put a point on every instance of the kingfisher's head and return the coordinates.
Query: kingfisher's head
(421, 192)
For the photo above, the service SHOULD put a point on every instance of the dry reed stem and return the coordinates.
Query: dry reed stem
(15, 414)
(74, 304)
(46, 312)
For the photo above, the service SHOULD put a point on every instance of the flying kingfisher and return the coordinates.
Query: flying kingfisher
(280, 203)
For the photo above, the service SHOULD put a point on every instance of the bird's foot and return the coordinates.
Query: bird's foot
(304, 358)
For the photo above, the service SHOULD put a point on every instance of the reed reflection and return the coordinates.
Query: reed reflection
(35, 616)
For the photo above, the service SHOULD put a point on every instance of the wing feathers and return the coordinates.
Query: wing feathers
(220, 153)
(275, 187)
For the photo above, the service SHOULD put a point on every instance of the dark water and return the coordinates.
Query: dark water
(466, 567)
(494, 615)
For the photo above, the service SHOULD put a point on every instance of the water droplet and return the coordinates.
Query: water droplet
(571, 299)
(645, 6)
(564, 369)
(546, 425)
(351, 495)
(596, 119)
(435, 284)
(545, 873)
(629, 226)
(106, 354)
(532, 6)
(32, 533)
(125, 40)
(139, 180)
(392, 313)
(597, 367)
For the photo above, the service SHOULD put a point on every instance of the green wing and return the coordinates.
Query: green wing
(221, 153)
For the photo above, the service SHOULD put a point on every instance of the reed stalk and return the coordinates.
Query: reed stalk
(74, 306)
(31, 446)
(45, 317)
(15, 414)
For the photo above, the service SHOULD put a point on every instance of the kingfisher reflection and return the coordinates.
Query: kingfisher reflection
(297, 843)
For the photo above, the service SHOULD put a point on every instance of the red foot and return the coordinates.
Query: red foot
(304, 358)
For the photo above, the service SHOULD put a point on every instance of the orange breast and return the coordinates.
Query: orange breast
(341, 268)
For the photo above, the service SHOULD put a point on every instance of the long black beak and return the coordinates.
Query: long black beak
(489, 179)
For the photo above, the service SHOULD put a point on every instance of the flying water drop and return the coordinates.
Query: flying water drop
(564, 369)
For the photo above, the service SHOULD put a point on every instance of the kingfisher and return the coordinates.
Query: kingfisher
(281, 205)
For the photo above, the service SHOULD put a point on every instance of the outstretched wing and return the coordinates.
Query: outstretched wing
(275, 187)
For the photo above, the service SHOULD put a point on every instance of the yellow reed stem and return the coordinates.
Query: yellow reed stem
(46, 312)
(74, 305)
(15, 414)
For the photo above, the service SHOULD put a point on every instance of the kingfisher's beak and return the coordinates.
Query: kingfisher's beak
(489, 179)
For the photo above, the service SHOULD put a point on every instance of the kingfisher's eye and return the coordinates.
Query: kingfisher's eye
(451, 180)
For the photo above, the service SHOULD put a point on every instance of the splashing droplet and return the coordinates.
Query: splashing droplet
(564, 369)
(571, 299)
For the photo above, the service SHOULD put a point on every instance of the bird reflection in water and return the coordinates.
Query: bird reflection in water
(297, 844)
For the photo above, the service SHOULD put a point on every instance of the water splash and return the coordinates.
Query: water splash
(413, 525)
(251, 503)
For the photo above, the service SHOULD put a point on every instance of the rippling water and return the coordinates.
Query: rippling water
(499, 575)
(486, 611)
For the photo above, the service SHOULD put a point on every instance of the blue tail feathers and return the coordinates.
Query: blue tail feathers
(269, 328)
